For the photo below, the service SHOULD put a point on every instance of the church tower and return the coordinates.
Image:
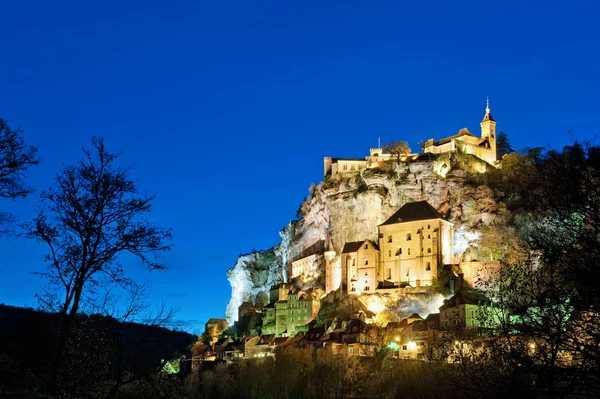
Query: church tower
(488, 130)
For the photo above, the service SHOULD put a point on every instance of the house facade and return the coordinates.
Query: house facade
(414, 243)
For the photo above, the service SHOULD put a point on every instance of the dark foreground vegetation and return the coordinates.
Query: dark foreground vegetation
(104, 357)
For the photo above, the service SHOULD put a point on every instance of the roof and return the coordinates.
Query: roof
(488, 117)
(462, 132)
(462, 298)
(333, 160)
(414, 211)
(354, 246)
(280, 340)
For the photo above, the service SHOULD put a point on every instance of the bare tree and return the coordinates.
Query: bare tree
(92, 216)
(15, 159)
(397, 149)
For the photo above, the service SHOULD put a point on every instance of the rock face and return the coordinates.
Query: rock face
(349, 207)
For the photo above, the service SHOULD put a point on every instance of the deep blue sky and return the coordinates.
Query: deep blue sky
(225, 109)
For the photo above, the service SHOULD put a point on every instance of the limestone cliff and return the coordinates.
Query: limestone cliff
(349, 207)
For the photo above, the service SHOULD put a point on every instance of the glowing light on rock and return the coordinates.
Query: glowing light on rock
(376, 305)
(463, 239)
(434, 305)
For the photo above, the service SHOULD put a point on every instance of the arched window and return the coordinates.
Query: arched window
(366, 261)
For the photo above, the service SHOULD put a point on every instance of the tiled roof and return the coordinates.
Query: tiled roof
(354, 246)
(461, 132)
(414, 211)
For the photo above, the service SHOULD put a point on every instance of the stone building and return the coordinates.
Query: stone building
(334, 166)
(360, 260)
(483, 147)
(290, 311)
(414, 243)
(462, 311)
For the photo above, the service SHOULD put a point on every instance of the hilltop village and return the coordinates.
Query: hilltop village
(340, 305)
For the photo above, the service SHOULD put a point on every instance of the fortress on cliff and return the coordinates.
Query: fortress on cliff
(483, 147)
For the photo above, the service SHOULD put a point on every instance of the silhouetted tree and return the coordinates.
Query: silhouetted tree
(503, 145)
(92, 216)
(15, 159)
(397, 149)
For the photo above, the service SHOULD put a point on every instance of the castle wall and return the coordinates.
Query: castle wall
(333, 272)
(475, 274)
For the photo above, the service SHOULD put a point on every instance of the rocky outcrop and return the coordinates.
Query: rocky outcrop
(350, 207)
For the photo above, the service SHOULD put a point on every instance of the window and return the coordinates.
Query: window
(292, 312)
(390, 253)
(366, 261)
(353, 289)
(366, 246)
(428, 250)
(408, 251)
(366, 274)
(428, 235)
(366, 288)
(399, 251)
(345, 167)
(408, 237)
(404, 347)
(428, 266)
(389, 238)
(353, 262)
(348, 260)
(428, 227)
(389, 273)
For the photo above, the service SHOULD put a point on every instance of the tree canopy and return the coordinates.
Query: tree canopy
(397, 149)
(16, 158)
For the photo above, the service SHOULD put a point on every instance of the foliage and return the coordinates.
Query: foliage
(92, 217)
(441, 283)
(301, 373)
(546, 296)
(502, 145)
(15, 160)
(101, 351)
(397, 149)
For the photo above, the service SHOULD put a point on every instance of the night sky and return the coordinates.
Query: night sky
(225, 109)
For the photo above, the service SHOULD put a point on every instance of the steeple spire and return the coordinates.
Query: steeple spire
(488, 115)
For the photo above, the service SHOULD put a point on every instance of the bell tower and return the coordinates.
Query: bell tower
(488, 130)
